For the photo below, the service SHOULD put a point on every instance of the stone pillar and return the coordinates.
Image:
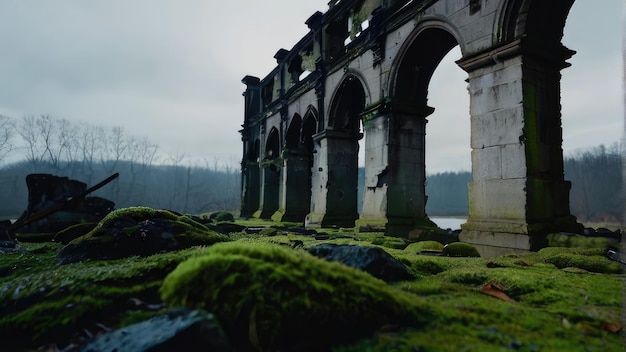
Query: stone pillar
(394, 195)
(250, 185)
(334, 190)
(270, 178)
(295, 195)
(517, 194)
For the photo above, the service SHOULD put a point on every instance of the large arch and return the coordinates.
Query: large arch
(334, 195)
(395, 185)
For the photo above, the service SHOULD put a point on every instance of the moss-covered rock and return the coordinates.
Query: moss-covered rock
(574, 240)
(138, 231)
(73, 232)
(460, 249)
(270, 231)
(417, 247)
(273, 297)
(590, 259)
(390, 242)
(220, 216)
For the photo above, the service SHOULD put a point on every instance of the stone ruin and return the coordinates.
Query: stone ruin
(369, 63)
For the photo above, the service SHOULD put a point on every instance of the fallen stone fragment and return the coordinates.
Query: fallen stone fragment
(372, 260)
(176, 330)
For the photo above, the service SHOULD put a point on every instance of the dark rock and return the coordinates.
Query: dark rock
(8, 246)
(225, 227)
(254, 229)
(322, 236)
(176, 330)
(302, 231)
(372, 260)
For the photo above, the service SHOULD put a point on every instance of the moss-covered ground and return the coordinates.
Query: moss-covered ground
(559, 299)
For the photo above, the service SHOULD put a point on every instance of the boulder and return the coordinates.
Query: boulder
(372, 260)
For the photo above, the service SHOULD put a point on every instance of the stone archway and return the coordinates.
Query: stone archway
(395, 194)
(334, 195)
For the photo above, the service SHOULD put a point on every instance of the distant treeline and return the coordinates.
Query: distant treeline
(91, 153)
(598, 191)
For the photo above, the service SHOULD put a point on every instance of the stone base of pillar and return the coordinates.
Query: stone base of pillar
(317, 220)
(282, 215)
(494, 238)
(402, 227)
(371, 224)
(264, 213)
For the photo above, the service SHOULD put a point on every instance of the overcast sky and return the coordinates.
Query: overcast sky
(171, 70)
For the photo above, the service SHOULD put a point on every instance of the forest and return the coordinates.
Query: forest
(88, 153)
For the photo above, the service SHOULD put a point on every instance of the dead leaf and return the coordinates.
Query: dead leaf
(494, 289)
(612, 327)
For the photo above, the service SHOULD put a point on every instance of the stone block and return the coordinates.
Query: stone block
(498, 199)
(513, 161)
(498, 127)
(498, 97)
(487, 163)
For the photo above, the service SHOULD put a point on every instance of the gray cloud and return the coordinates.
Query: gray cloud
(171, 70)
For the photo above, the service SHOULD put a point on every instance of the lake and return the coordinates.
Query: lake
(448, 222)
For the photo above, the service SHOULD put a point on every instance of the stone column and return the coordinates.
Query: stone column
(334, 190)
(270, 179)
(251, 189)
(295, 196)
(394, 195)
(517, 194)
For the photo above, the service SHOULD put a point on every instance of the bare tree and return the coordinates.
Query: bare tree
(27, 129)
(7, 132)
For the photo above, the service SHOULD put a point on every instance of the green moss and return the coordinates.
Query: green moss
(460, 249)
(41, 301)
(590, 259)
(554, 310)
(424, 245)
(275, 297)
(222, 216)
(569, 240)
(147, 232)
(270, 231)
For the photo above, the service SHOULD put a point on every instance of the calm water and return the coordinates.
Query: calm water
(448, 223)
